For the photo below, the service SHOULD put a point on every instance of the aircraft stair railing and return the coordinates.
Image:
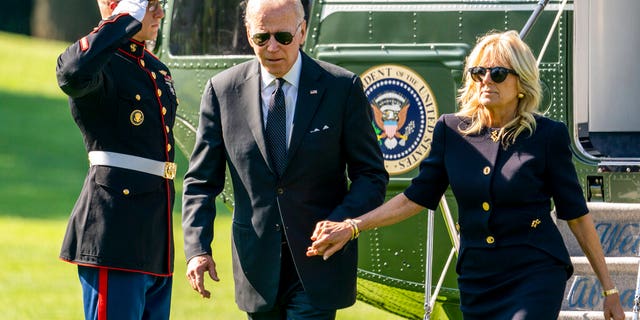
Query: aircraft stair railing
(636, 300)
(430, 297)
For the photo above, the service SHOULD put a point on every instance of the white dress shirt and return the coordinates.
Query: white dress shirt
(290, 89)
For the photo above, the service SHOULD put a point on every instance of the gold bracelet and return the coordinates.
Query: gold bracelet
(355, 232)
(609, 292)
(355, 227)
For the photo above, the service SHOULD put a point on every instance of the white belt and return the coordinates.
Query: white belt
(166, 170)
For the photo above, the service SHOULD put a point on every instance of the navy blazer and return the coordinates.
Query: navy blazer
(503, 196)
(335, 171)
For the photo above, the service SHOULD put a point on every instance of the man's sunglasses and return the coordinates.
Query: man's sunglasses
(283, 37)
(498, 74)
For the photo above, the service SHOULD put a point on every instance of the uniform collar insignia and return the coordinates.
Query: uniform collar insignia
(133, 48)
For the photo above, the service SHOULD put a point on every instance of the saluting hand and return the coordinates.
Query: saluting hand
(195, 273)
(329, 237)
(136, 8)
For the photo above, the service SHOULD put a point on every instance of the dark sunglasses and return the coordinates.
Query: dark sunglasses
(498, 74)
(283, 37)
(154, 5)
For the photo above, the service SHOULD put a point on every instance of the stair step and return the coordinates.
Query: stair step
(587, 315)
(583, 290)
(618, 226)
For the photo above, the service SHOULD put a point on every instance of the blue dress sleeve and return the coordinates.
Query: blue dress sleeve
(427, 188)
(561, 177)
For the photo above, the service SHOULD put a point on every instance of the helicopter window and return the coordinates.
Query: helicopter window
(208, 27)
(211, 27)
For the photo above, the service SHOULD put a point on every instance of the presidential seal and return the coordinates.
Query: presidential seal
(404, 112)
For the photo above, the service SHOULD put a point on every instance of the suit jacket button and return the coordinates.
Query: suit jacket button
(277, 227)
(490, 240)
(486, 170)
(125, 192)
(280, 191)
(486, 206)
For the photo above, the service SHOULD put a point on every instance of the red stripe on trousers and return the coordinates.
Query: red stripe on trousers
(102, 294)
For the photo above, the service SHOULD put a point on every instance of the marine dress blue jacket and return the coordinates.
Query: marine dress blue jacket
(504, 197)
(123, 100)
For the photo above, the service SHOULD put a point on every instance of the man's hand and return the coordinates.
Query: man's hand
(136, 8)
(195, 273)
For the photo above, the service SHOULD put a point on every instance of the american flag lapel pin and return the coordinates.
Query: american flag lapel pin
(314, 91)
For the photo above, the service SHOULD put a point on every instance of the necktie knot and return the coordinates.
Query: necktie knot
(277, 94)
(279, 83)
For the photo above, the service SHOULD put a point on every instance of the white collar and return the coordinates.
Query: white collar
(292, 77)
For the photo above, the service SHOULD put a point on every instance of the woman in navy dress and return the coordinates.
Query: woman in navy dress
(505, 163)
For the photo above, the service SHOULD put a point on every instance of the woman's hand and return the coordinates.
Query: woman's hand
(329, 237)
(612, 308)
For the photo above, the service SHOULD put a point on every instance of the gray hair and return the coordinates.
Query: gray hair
(252, 6)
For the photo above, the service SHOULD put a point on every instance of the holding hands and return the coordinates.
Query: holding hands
(330, 236)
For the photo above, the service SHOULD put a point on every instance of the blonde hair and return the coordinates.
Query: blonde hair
(505, 49)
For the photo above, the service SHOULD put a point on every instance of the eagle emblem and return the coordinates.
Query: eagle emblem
(390, 115)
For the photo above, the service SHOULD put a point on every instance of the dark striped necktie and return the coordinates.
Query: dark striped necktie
(276, 130)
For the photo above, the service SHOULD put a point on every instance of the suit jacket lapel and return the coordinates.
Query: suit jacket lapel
(309, 96)
(249, 95)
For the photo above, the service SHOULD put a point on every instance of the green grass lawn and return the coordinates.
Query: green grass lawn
(42, 165)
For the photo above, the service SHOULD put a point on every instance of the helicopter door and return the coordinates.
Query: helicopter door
(607, 80)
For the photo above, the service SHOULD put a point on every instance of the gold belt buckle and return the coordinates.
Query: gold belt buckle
(170, 169)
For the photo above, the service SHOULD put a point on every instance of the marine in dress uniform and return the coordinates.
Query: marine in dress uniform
(123, 101)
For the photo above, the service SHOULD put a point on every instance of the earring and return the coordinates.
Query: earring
(520, 95)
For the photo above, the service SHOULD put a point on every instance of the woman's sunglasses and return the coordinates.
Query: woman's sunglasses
(498, 74)
(283, 37)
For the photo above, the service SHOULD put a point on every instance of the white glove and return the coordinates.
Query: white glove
(136, 8)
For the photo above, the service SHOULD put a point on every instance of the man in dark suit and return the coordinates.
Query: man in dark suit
(123, 100)
(285, 179)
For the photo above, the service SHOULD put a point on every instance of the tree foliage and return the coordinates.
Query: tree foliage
(66, 20)
(14, 16)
